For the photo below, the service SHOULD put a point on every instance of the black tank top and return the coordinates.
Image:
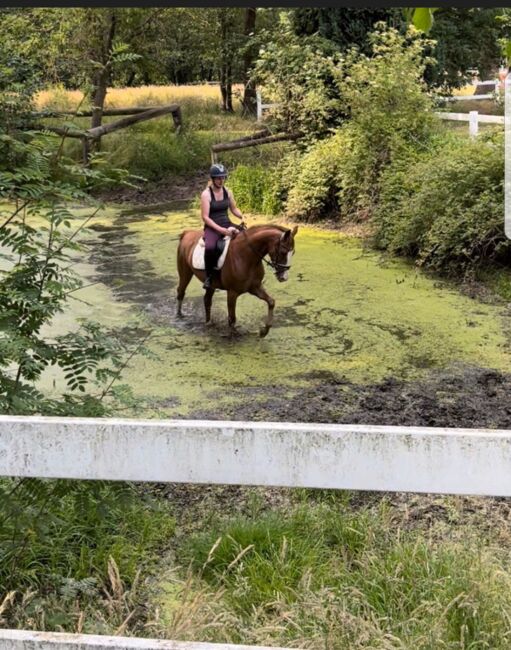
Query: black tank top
(218, 210)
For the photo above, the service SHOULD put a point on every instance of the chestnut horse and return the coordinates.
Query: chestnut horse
(243, 269)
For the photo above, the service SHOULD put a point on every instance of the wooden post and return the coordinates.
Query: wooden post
(85, 150)
(473, 126)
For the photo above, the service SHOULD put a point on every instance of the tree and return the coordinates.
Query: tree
(249, 96)
(343, 26)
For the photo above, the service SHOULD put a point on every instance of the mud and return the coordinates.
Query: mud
(456, 397)
(172, 188)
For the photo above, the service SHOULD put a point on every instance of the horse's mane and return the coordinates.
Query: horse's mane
(265, 226)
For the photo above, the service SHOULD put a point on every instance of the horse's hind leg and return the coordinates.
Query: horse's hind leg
(261, 293)
(185, 275)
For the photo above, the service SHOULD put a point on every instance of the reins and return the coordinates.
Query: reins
(274, 265)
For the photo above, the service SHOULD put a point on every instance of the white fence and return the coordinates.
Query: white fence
(356, 457)
(25, 640)
(261, 107)
(338, 456)
(473, 118)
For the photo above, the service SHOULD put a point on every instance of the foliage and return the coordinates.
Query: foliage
(354, 579)
(303, 75)
(465, 39)
(345, 27)
(255, 189)
(74, 548)
(37, 276)
(314, 189)
(446, 206)
(389, 111)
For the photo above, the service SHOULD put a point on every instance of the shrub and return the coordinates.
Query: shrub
(314, 189)
(256, 189)
(390, 114)
(446, 206)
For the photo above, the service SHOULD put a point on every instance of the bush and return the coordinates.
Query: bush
(254, 189)
(314, 189)
(446, 206)
(390, 114)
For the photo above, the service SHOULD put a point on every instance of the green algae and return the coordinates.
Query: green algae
(344, 311)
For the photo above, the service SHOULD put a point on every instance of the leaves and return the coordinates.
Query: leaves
(422, 18)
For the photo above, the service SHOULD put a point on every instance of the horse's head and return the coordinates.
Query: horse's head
(282, 252)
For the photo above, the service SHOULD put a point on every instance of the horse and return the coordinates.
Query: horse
(243, 270)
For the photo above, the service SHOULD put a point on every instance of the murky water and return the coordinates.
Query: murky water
(344, 313)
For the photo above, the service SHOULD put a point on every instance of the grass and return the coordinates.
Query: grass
(323, 574)
(60, 99)
(152, 149)
(72, 553)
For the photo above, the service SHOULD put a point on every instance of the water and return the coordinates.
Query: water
(344, 313)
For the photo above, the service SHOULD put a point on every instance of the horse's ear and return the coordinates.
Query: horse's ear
(285, 235)
(294, 231)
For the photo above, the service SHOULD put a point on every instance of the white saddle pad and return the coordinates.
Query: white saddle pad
(198, 254)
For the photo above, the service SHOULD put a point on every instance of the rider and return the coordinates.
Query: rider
(216, 200)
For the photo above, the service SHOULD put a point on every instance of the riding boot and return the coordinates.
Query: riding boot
(209, 263)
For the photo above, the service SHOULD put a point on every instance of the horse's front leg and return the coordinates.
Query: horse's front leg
(208, 299)
(261, 293)
(232, 297)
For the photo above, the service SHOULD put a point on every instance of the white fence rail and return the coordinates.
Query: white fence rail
(344, 456)
(261, 107)
(473, 118)
(25, 640)
(358, 457)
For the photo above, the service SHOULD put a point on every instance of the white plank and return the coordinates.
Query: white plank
(465, 117)
(357, 457)
(27, 640)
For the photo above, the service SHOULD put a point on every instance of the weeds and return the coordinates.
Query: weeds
(323, 576)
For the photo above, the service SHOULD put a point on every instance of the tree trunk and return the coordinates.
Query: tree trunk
(225, 67)
(249, 96)
(102, 76)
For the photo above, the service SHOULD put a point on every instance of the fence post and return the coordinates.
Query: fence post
(259, 111)
(473, 125)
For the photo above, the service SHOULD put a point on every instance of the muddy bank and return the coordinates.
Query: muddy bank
(172, 188)
(461, 396)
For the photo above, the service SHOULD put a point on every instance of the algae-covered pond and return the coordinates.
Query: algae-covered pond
(345, 314)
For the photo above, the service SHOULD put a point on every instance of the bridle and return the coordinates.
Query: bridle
(276, 266)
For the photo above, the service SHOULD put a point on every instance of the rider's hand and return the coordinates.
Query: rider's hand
(232, 231)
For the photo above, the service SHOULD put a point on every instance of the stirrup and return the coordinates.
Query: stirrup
(207, 282)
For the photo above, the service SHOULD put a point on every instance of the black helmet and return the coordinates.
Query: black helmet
(217, 170)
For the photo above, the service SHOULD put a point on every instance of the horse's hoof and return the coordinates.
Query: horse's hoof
(263, 331)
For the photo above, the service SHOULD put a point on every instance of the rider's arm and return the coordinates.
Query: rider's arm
(234, 208)
(205, 202)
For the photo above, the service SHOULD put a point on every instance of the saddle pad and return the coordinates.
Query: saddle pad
(198, 255)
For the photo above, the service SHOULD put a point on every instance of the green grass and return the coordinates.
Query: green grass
(74, 550)
(323, 575)
(153, 150)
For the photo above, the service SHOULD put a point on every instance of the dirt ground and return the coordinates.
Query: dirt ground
(166, 190)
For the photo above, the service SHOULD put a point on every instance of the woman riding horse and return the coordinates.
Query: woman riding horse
(215, 203)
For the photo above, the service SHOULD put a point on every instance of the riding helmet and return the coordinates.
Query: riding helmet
(217, 170)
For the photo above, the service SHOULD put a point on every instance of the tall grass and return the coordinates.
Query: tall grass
(59, 98)
(152, 149)
(322, 576)
(72, 552)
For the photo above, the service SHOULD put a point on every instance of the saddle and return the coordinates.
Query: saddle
(198, 253)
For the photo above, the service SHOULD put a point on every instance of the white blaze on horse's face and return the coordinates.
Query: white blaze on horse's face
(285, 275)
